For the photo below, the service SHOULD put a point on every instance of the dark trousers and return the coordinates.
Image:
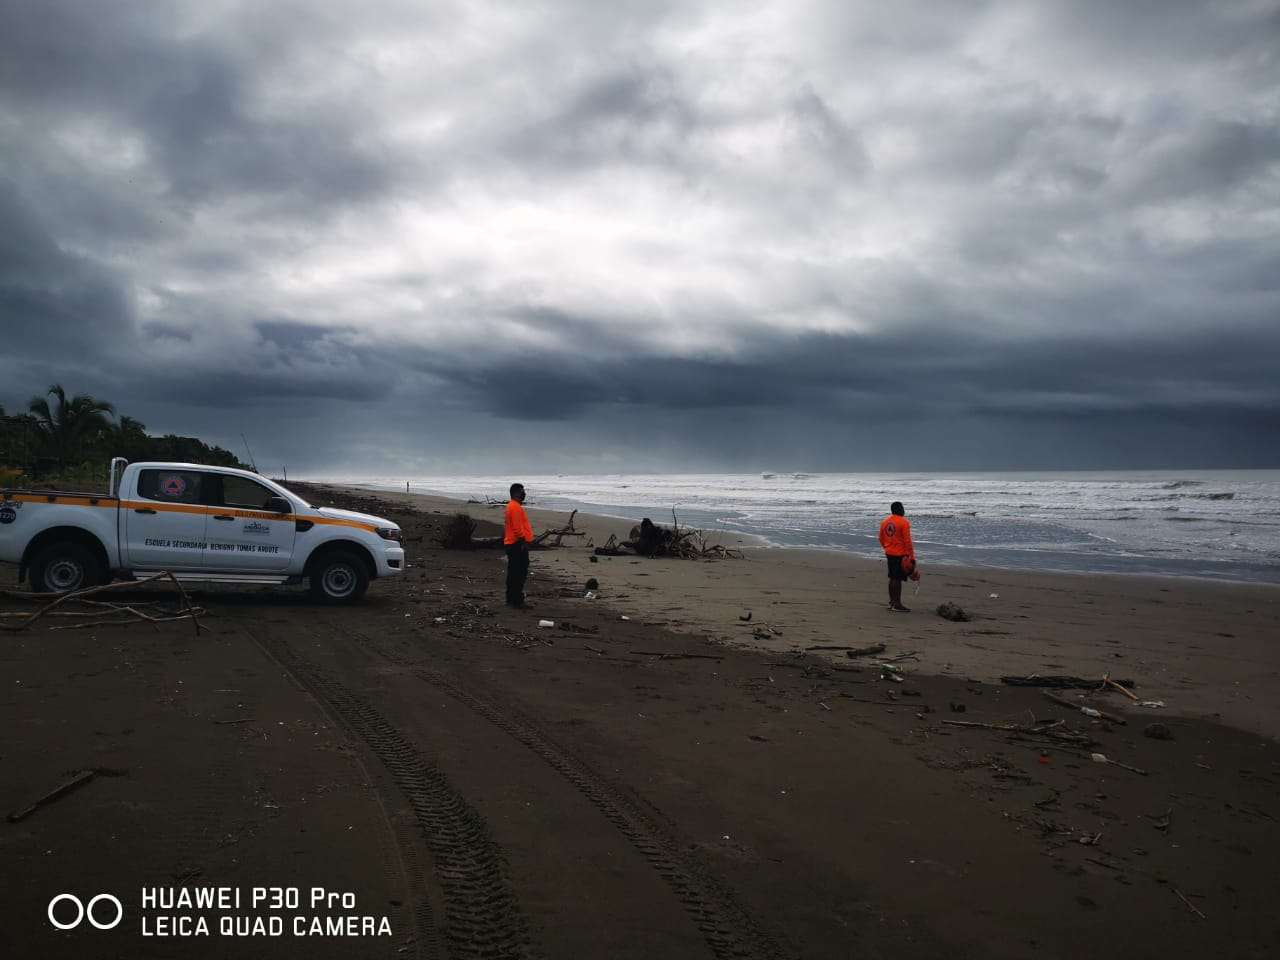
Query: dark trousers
(517, 572)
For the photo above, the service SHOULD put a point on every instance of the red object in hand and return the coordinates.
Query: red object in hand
(1044, 758)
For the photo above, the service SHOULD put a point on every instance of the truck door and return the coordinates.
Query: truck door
(165, 521)
(245, 536)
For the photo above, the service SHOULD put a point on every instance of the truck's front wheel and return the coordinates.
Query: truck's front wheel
(339, 576)
(65, 566)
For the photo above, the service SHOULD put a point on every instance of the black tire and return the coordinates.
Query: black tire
(339, 576)
(64, 566)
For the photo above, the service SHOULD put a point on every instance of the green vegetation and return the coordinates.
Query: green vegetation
(72, 439)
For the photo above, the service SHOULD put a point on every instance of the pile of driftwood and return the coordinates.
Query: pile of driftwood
(459, 534)
(76, 606)
(651, 540)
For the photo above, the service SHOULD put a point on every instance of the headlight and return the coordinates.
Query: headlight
(390, 533)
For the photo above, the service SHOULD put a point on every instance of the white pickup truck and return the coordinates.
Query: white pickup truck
(210, 524)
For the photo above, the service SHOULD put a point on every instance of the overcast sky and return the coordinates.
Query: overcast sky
(432, 237)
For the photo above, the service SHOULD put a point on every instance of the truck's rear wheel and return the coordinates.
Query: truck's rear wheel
(65, 566)
(339, 576)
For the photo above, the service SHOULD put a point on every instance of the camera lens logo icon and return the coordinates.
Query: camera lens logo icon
(87, 911)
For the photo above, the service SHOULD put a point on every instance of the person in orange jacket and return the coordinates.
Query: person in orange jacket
(516, 537)
(895, 538)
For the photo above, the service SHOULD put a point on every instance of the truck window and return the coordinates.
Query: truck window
(242, 492)
(170, 486)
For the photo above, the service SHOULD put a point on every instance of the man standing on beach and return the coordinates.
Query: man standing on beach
(895, 538)
(516, 536)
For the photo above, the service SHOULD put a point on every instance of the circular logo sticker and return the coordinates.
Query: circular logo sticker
(8, 514)
(173, 486)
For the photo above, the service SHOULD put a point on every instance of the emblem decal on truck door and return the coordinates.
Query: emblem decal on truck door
(173, 486)
(9, 512)
(256, 528)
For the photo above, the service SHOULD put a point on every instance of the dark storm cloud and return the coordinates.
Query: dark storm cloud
(50, 299)
(996, 222)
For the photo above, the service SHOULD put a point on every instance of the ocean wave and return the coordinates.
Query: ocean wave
(1188, 496)
(1179, 484)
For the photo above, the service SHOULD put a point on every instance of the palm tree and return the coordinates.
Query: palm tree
(129, 439)
(71, 421)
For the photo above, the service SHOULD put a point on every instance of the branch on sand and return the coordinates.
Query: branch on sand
(540, 542)
(117, 613)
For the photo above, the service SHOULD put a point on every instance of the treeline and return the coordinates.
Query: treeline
(74, 438)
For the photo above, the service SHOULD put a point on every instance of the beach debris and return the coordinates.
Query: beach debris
(115, 613)
(78, 779)
(1157, 731)
(889, 672)
(459, 534)
(624, 617)
(952, 611)
(590, 595)
(649, 539)
(1092, 712)
(1151, 703)
(1037, 730)
(542, 540)
(546, 623)
(237, 720)
(593, 558)
(909, 655)
(1059, 681)
(1103, 758)
(993, 596)
(439, 620)
(1190, 906)
(745, 617)
(1121, 685)
(851, 651)
(592, 584)
(675, 656)
(956, 707)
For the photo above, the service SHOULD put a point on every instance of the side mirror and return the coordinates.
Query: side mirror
(279, 505)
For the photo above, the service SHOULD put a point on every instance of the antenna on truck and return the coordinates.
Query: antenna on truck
(252, 463)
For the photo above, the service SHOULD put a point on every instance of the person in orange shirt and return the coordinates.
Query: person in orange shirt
(895, 538)
(516, 537)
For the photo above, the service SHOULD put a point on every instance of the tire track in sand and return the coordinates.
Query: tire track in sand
(482, 918)
(729, 930)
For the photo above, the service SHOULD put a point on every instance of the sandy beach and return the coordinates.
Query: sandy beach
(648, 777)
(1203, 648)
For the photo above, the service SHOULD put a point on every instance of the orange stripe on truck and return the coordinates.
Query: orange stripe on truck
(192, 508)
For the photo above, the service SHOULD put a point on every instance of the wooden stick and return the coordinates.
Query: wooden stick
(853, 651)
(1191, 906)
(1109, 717)
(61, 790)
(116, 623)
(1125, 690)
(63, 598)
(80, 595)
